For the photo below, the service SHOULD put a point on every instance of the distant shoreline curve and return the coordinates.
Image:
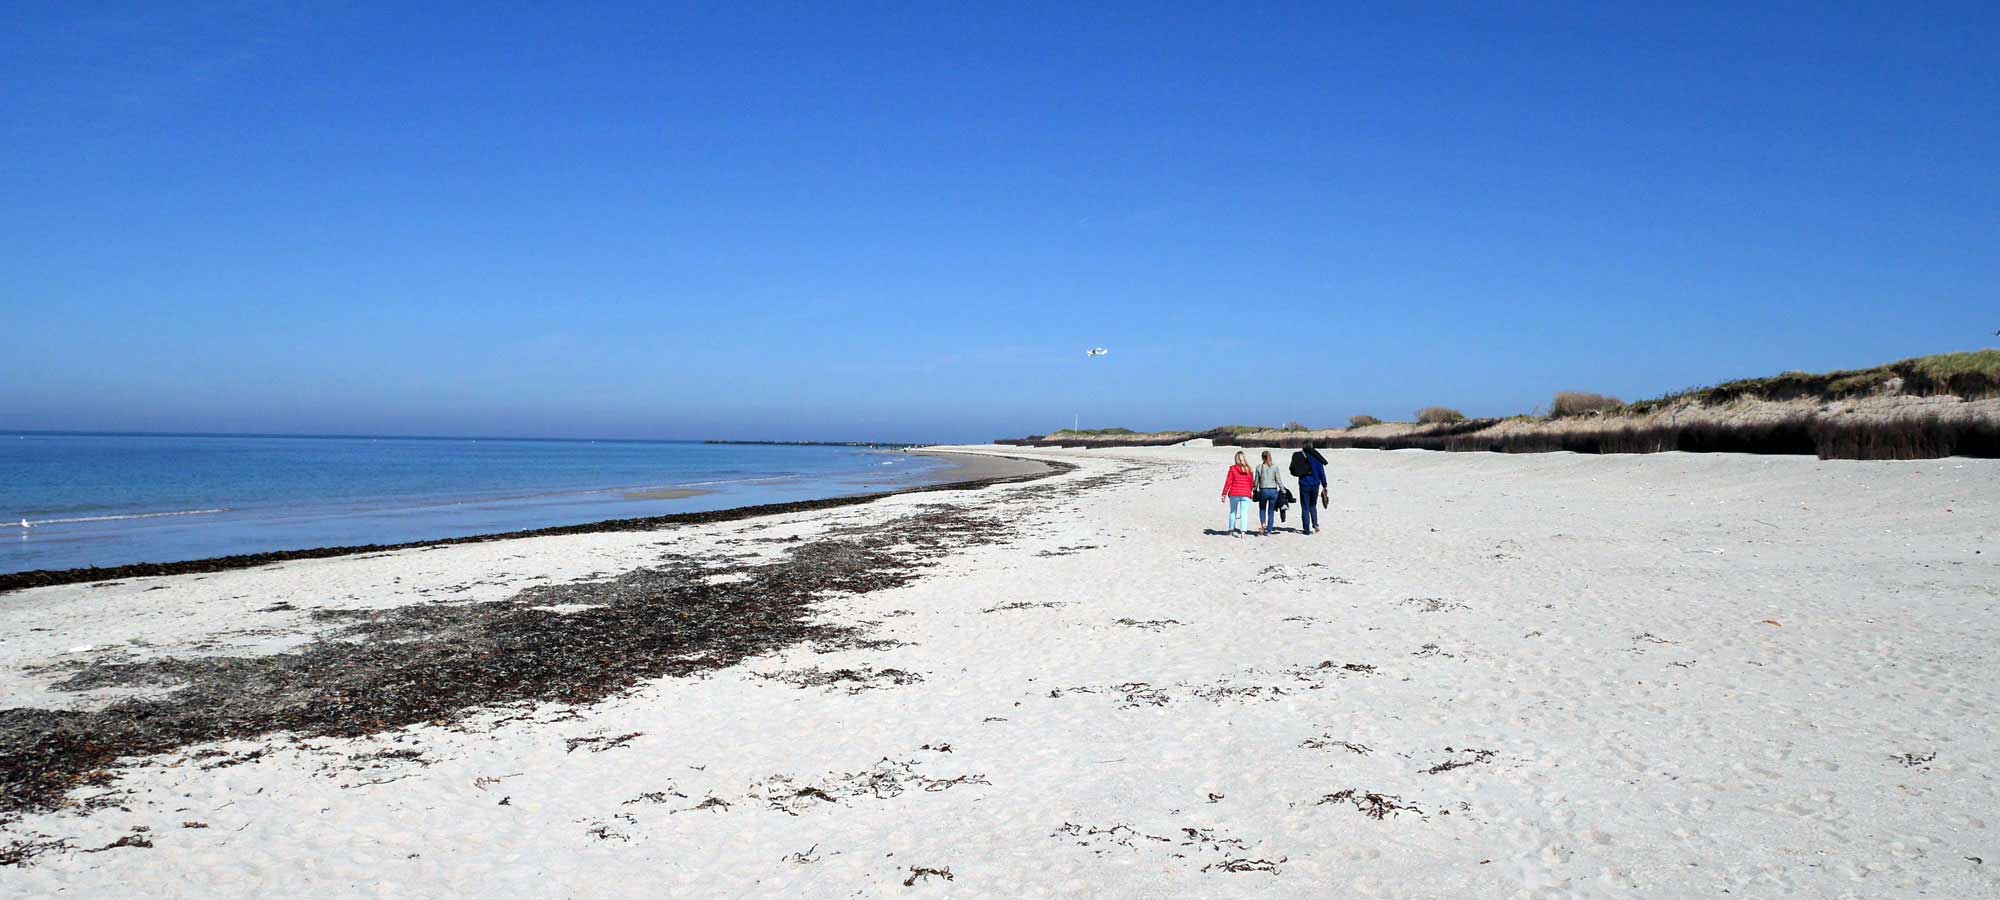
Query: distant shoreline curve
(978, 476)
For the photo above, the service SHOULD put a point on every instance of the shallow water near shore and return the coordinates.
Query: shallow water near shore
(105, 499)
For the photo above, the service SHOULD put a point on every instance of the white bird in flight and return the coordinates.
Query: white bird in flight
(1097, 351)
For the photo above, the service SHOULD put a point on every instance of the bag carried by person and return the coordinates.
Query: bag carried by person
(1301, 467)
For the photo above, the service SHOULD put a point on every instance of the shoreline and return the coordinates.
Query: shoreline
(1491, 675)
(972, 471)
(974, 466)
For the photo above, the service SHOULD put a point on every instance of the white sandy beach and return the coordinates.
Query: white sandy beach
(1491, 676)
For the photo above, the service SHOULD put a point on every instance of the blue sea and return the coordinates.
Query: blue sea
(112, 499)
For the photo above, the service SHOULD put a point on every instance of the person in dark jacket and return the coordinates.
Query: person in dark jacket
(1310, 468)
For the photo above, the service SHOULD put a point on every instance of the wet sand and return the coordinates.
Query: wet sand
(979, 467)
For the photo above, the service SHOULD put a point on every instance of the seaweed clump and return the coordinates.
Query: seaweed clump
(393, 668)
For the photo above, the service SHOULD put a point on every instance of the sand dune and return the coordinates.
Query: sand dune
(1492, 676)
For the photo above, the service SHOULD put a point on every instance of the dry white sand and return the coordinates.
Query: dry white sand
(1550, 675)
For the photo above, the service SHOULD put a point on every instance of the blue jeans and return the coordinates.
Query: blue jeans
(1239, 514)
(1267, 507)
(1308, 504)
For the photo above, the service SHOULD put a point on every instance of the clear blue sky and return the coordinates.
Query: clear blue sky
(909, 221)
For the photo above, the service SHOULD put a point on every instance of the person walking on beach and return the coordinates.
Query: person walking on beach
(1310, 467)
(1269, 483)
(1237, 487)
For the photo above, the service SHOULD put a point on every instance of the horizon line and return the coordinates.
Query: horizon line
(74, 432)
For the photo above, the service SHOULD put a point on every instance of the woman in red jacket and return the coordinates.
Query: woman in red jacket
(1237, 487)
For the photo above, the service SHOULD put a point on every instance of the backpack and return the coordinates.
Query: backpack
(1301, 467)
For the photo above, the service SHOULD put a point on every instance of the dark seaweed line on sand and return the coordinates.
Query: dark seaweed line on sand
(49, 577)
(433, 664)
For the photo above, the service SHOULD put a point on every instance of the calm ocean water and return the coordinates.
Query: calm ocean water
(95, 499)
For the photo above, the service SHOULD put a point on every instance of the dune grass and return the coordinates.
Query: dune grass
(1970, 374)
(1944, 367)
(1576, 403)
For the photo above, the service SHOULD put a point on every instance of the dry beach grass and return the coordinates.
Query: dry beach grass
(1921, 408)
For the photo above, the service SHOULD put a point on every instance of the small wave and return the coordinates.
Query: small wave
(157, 515)
(758, 479)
